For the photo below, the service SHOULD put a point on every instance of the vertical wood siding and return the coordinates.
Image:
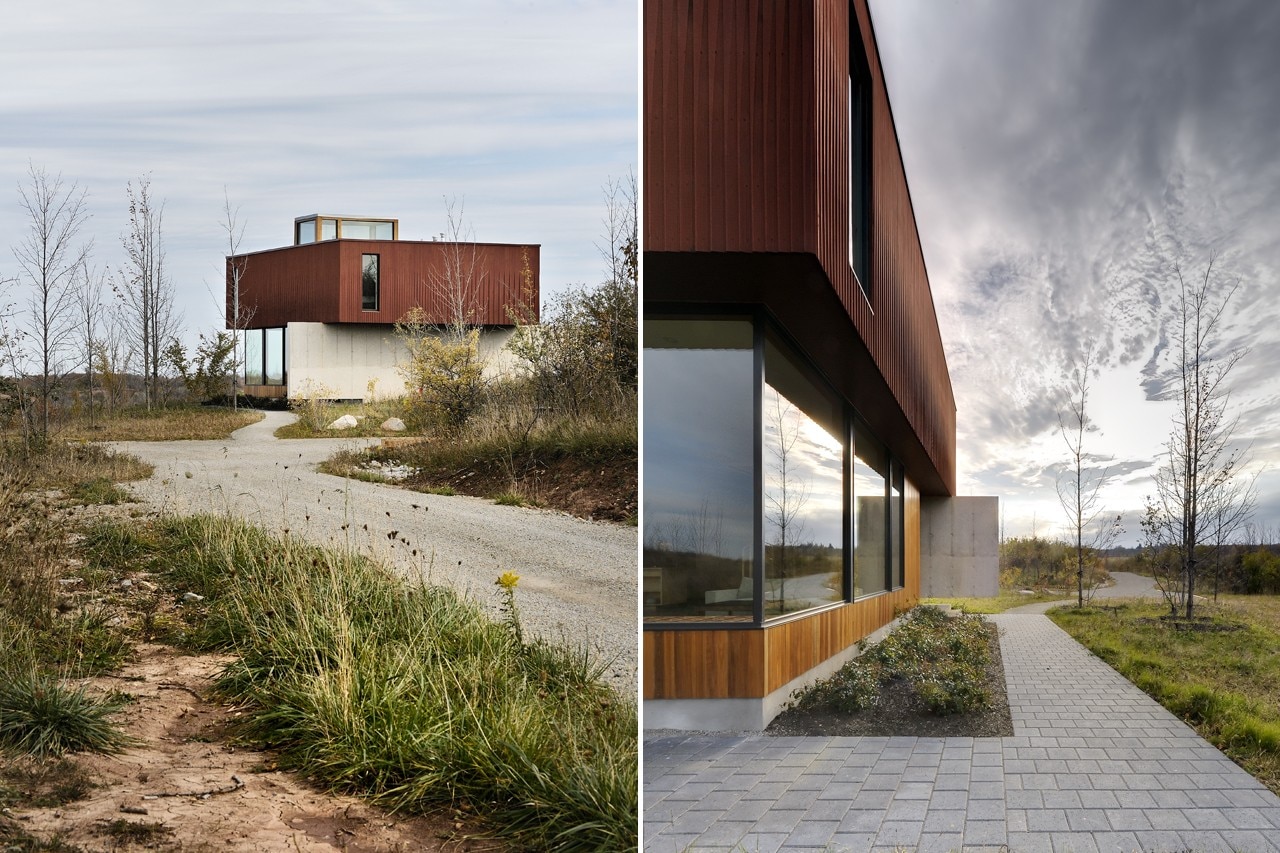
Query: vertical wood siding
(321, 282)
(746, 139)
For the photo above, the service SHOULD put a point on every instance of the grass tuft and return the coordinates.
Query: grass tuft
(41, 717)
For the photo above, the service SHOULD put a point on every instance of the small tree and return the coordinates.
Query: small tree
(51, 257)
(1080, 486)
(1200, 463)
(238, 313)
(144, 287)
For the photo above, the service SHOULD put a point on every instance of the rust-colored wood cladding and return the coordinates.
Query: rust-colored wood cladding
(746, 141)
(752, 663)
(321, 282)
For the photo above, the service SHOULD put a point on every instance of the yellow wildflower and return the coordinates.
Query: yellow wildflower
(508, 580)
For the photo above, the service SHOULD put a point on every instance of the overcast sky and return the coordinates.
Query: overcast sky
(1063, 157)
(519, 110)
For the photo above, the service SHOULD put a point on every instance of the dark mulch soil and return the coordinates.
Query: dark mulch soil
(900, 713)
(603, 490)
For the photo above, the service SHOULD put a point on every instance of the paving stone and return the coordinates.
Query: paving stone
(1093, 765)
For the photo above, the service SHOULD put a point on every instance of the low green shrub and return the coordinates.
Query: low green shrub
(943, 659)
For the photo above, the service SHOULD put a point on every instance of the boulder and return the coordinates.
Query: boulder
(344, 422)
(393, 424)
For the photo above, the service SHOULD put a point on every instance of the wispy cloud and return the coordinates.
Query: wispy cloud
(1065, 160)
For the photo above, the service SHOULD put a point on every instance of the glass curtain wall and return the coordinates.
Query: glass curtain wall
(751, 459)
(803, 462)
(264, 357)
(870, 527)
(699, 470)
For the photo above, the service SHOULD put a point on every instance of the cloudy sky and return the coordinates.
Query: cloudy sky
(1063, 158)
(519, 110)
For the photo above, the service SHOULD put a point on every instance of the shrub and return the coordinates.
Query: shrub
(443, 371)
(942, 658)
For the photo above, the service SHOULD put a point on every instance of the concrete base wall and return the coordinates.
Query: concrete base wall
(959, 547)
(337, 361)
(744, 715)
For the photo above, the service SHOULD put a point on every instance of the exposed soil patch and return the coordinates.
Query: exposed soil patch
(899, 712)
(599, 489)
(188, 786)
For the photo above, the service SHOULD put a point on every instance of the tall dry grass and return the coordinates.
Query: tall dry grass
(407, 693)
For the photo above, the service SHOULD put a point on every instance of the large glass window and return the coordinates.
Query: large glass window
(305, 232)
(328, 229)
(273, 356)
(360, 229)
(870, 526)
(765, 495)
(803, 461)
(264, 362)
(699, 472)
(369, 282)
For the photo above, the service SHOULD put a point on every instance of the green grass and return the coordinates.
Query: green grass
(97, 492)
(997, 604)
(407, 694)
(1224, 683)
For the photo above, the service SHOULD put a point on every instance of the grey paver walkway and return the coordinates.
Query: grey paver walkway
(1094, 765)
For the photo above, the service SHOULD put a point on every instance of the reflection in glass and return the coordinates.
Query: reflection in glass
(699, 471)
(273, 352)
(361, 229)
(870, 472)
(803, 425)
(328, 229)
(369, 282)
(306, 231)
(253, 357)
(895, 524)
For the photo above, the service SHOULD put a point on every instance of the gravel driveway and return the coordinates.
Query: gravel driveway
(577, 578)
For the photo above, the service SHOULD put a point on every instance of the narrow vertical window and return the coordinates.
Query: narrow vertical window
(859, 176)
(369, 283)
(253, 370)
(871, 550)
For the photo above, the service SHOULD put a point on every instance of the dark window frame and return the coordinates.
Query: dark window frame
(364, 282)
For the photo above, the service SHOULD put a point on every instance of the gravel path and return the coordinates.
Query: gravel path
(577, 578)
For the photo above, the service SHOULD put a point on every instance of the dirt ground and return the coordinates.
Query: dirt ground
(185, 786)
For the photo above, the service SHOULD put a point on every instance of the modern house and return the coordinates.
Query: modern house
(799, 422)
(317, 317)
